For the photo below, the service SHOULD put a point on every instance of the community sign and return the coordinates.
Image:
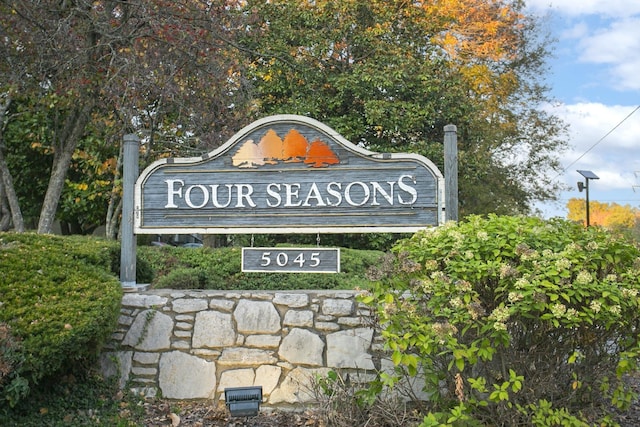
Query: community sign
(289, 174)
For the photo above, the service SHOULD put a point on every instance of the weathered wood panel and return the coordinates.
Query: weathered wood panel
(289, 174)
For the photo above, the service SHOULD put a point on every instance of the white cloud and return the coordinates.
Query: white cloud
(612, 8)
(577, 31)
(614, 158)
(613, 154)
(619, 47)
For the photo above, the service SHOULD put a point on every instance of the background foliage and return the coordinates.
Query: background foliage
(514, 321)
(206, 268)
(185, 76)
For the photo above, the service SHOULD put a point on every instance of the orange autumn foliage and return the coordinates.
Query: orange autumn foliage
(486, 30)
(608, 215)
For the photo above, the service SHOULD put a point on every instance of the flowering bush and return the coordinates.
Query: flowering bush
(514, 320)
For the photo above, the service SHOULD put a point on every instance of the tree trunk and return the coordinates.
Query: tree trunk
(115, 201)
(14, 205)
(5, 176)
(73, 130)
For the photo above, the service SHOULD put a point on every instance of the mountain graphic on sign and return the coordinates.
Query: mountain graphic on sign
(294, 148)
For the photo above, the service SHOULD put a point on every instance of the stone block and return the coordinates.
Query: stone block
(184, 326)
(337, 307)
(350, 321)
(151, 330)
(296, 387)
(213, 329)
(301, 346)
(117, 364)
(268, 376)
(293, 300)
(180, 345)
(189, 305)
(301, 318)
(262, 341)
(350, 349)
(223, 305)
(143, 300)
(146, 358)
(138, 371)
(246, 357)
(327, 326)
(236, 378)
(256, 317)
(183, 376)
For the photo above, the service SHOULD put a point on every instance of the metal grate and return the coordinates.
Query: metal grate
(243, 401)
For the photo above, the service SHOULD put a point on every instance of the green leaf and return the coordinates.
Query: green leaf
(396, 357)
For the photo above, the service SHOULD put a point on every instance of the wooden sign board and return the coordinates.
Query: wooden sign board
(291, 260)
(289, 174)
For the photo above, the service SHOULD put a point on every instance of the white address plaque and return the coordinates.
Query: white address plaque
(291, 260)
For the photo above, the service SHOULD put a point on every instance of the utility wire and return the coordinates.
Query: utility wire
(597, 142)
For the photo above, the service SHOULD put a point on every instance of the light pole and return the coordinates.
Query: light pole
(587, 176)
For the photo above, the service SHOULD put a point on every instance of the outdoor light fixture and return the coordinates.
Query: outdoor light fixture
(585, 186)
(243, 401)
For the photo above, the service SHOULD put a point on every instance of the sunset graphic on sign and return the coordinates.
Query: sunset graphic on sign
(294, 148)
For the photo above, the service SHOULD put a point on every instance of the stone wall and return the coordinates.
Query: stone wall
(194, 344)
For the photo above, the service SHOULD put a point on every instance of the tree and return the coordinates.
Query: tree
(391, 74)
(151, 66)
(608, 215)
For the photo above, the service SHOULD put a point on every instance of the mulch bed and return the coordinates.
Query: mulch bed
(205, 414)
(167, 413)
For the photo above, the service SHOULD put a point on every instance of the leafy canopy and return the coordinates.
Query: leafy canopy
(391, 74)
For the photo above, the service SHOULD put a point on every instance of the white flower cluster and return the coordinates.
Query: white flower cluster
(431, 265)
(563, 264)
(464, 286)
(522, 283)
(500, 314)
(584, 278)
(515, 297)
(456, 302)
(558, 310)
(507, 270)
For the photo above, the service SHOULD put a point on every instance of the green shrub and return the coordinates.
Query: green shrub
(220, 268)
(183, 278)
(60, 299)
(514, 321)
(11, 356)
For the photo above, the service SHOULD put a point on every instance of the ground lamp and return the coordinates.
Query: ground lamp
(585, 186)
(243, 401)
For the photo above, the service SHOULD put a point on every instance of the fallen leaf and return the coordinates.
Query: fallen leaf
(175, 419)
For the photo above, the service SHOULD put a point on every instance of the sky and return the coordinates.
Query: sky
(594, 76)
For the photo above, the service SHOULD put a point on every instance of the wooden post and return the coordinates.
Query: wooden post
(451, 172)
(128, 239)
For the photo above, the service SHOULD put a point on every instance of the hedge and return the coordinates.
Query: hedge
(59, 302)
